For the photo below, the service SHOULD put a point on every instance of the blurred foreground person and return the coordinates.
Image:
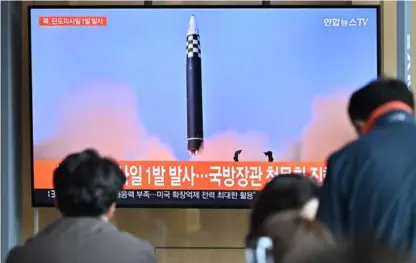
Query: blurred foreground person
(369, 188)
(86, 187)
(284, 192)
(358, 251)
(285, 236)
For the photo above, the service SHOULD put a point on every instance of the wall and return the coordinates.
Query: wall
(181, 235)
(414, 47)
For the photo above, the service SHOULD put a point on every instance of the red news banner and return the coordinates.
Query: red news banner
(52, 21)
(174, 175)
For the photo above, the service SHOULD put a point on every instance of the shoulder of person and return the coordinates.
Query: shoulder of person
(144, 249)
(136, 241)
(352, 150)
(15, 255)
(345, 166)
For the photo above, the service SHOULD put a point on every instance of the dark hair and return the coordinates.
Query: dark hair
(365, 250)
(376, 93)
(87, 184)
(291, 235)
(284, 192)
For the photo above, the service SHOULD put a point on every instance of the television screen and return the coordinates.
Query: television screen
(200, 106)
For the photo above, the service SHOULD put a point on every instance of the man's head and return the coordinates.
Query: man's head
(365, 101)
(87, 184)
(284, 192)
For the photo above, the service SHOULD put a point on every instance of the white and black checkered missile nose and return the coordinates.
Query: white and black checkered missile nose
(193, 45)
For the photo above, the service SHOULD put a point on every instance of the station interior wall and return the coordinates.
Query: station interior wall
(181, 235)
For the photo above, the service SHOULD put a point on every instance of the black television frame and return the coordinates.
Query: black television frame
(264, 5)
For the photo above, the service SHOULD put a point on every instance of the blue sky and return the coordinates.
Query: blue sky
(256, 62)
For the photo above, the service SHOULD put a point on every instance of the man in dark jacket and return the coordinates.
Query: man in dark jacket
(86, 187)
(370, 185)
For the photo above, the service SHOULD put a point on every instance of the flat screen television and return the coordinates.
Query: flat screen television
(199, 105)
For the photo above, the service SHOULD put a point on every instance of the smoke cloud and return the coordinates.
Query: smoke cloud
(221, 147)
(105, 116)
(329, 128)
(100, 115)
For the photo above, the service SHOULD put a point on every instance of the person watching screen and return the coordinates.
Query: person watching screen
(369, 184)
(284, 192)
(286, 235)
(86, 188)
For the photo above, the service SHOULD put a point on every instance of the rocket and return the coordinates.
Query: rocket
(195, 127)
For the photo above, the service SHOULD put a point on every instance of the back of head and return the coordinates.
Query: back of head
(285, 192)
(355, 251)
(375, 94)
(290, 235)
(87, 184)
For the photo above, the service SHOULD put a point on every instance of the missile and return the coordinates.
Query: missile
(195, 127)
